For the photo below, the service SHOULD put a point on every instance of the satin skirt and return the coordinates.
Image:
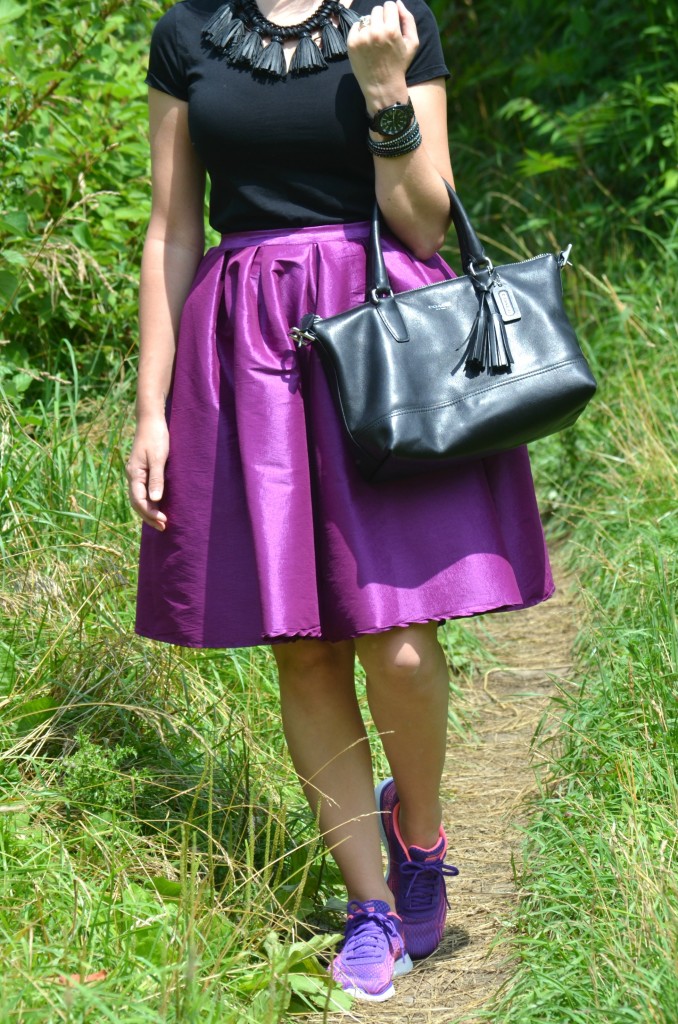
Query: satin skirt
(271, 533)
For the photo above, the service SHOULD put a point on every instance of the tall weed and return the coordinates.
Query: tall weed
(597, 928)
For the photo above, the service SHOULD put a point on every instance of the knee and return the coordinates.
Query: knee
(404, 663)
(402, 658)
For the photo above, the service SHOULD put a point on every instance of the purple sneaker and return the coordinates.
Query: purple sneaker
(373, 951)
(416, 877)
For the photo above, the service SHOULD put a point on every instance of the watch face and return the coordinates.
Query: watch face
(395, 120)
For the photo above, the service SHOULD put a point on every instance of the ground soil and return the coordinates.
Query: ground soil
(488, 782)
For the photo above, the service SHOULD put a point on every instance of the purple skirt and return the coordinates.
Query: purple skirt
(271, 533)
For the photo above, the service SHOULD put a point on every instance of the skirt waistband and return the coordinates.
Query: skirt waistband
(297, 236)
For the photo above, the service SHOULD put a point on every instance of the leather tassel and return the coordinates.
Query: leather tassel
(307, 57)
(347, 18)
(231, 37)
(248, 52)
(492, 346)
(487, 342)
(218, 22)
(500, 353)
(475, 354)
(271, 60)
(333, 42)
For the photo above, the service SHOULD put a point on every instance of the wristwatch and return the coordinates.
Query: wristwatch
(392, 121)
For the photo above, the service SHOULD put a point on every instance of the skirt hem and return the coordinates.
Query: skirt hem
(315, 633)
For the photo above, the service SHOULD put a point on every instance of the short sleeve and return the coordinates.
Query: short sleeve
(428, 61)
(166, 63)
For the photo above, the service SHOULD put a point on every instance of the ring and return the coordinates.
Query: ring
(364, 21)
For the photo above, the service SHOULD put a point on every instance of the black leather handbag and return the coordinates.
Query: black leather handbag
(461, 369)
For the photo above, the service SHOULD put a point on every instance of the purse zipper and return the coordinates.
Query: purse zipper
(304, 335)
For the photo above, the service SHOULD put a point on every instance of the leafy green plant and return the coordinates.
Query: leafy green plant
(73, 175)
(579, 100)
(91, 777)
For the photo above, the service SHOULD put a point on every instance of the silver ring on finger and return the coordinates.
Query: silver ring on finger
(364, 21)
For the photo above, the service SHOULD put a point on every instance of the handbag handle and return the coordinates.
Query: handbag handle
(472, 253)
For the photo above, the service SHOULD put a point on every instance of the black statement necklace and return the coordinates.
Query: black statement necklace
(238, 30)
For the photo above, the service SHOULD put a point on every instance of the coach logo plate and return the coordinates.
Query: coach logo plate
(506, 304)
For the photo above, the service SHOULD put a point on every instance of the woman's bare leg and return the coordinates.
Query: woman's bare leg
(407, 690)
(329, 748)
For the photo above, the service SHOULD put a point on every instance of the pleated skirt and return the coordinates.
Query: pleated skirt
(271, 533)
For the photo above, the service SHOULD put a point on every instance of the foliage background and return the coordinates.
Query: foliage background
(150, 826)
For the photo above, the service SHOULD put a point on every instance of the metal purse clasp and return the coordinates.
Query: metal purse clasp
(304, 334)
(564, 258)
(300, 337)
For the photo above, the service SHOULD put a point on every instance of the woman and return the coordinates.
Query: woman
(257, 528)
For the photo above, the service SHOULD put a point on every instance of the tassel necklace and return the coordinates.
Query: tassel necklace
(238, 30)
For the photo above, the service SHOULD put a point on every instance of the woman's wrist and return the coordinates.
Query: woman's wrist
(150, 408)
(385, 94)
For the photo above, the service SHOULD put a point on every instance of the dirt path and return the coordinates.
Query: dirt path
(485, 784)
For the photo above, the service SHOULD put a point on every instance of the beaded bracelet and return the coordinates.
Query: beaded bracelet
(410, 133)
(405, 143)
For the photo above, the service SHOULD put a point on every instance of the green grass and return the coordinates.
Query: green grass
(595, 937)
(151, 826)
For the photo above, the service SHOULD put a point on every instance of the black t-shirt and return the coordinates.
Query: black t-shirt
(279, 153)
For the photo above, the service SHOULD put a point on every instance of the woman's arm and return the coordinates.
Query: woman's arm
(174, 245)
(412, 197)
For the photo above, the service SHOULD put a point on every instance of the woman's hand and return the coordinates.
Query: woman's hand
(146, 469)
(381, 52)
